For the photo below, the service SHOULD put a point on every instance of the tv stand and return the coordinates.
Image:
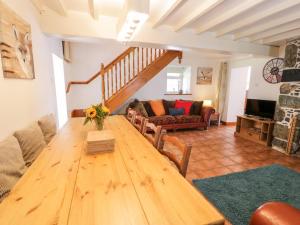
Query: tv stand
(259, 130)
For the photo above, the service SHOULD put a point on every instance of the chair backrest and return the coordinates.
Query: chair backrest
(78, 113)
(151, 132)
(130, 115)
(182, 160)
(138, 122)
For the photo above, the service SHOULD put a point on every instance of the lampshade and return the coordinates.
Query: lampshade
(207, 102)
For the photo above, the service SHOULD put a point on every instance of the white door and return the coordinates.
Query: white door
(238, 87)
(61, 99)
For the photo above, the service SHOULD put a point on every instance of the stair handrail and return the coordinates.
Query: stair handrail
(117, 59)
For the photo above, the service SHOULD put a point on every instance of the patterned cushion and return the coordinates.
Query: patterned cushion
(188, 119)
(12, 165)
(48, 127)
(31, 140)
(162, 120)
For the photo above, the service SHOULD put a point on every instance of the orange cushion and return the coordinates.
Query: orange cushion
(157, 107)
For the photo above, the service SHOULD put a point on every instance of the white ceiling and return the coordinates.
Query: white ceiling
(267, 22)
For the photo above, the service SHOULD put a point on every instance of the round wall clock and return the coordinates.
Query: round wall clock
(272, 71)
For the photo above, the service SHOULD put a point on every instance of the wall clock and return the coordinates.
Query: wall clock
(272, 71)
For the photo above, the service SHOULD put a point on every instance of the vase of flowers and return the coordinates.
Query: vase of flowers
(96, 114)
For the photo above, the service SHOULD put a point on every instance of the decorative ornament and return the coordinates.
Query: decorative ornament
(272, 72)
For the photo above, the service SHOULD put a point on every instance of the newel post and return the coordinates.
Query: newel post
(103, 83)
(180, 57)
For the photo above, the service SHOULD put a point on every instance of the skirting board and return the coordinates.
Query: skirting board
(228, 123)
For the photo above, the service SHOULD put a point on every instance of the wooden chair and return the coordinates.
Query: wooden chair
(138, 122)
(180, 153)
(130, 115)
(151, 132)
(78, 113)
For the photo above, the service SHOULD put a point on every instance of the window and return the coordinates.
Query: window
(178, 80)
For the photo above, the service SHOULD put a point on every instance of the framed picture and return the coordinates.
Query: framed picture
(204, 75)
(15, 45)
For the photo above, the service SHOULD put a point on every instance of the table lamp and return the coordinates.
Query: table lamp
(207, 102)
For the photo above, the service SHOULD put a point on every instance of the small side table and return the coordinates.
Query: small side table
(215, 117)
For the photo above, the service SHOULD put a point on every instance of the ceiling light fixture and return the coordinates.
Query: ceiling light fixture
(136, 14)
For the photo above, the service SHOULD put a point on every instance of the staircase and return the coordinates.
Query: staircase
(130, 71)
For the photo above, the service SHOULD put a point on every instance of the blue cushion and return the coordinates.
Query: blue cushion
(176, 111)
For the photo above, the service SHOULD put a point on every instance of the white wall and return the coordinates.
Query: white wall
(86, 60)
(259, 88)
(24, 101)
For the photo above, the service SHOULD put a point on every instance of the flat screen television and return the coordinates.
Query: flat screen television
(261, 108)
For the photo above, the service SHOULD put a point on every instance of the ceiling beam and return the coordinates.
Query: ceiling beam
(258, 16)
(92, 9)
(234, 11)
(272, 32)
(274, 22)
(176, 5)
(281, 37)
(38, 4)
(58, 6)
(197, 13)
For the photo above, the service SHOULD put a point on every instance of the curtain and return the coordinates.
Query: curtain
(222, 88)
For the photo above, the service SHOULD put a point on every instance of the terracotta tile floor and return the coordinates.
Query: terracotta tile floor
(217, 152)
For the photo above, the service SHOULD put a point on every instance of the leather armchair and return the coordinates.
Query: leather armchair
(276, 213)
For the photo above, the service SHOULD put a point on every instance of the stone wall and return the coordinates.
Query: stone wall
(288, 103)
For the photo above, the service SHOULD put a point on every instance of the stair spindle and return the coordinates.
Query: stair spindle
(133, 64)
(111, 82)
(116, 79)
(103, 83)
(129, 67)
(124, 71)
(142, 58)
(107, 84)
(120, 75)
(138, 60)
(147, 49)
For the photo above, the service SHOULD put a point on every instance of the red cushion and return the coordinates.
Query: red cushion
(184, 104)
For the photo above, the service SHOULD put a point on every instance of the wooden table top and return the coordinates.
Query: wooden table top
(134, 185)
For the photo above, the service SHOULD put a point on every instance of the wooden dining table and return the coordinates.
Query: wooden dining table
(132, 185)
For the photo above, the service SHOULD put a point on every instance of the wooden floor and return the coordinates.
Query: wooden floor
(217, 152)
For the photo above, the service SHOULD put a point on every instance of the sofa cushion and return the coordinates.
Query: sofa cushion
(196, 108)
(168, 104)
(48, 126)
(139, 108)
(188, 119)
(148, 109)
(31, 140)
(176, 112)
(162, 120)
(12, 165)
(184, 104)
(157, 107)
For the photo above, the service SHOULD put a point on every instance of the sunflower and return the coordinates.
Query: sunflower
(105, 109)
(91, 113)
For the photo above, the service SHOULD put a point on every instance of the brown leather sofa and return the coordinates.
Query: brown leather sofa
(276, 213)
(170, 122)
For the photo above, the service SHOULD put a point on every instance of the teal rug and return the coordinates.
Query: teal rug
(238, 195)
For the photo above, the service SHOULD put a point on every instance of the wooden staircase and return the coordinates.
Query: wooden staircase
(130, 71)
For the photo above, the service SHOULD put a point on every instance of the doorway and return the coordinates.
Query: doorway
(61, 99)
(238, 88)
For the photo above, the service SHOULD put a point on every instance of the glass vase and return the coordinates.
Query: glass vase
(99, 123)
